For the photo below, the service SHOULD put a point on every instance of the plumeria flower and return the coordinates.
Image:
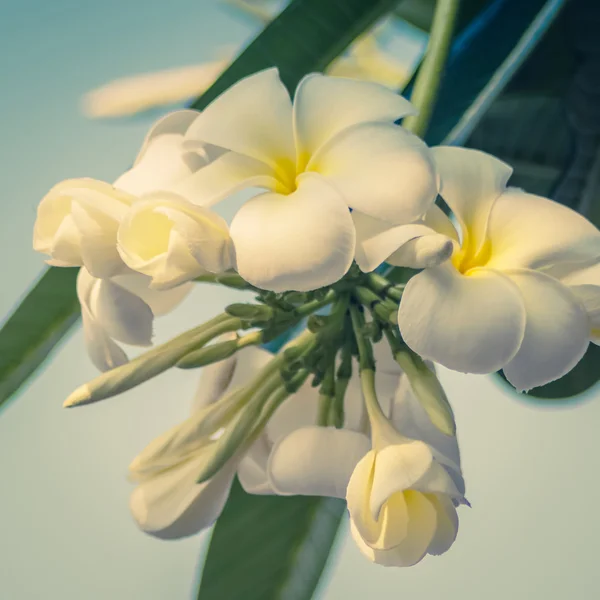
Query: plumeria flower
(335, 147)
(121, 309)
(521, 289)
(79, 220)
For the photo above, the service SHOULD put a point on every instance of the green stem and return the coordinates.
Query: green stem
(429, 76)
(313, 305)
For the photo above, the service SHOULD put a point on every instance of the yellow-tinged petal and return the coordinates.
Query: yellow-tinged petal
(470, 183)
(557, 331)
(325, 106)
(302, 241)
(381, 170)
(253, 117)
(472, 324)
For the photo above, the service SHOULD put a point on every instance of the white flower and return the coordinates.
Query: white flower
(403, 493)
(78, 219)
(121, 309)
(519, 292)
(336, 147)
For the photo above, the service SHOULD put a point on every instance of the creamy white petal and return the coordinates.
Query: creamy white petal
(556, 331)
(103, 351)
(160, 302)
(173, 241)
(589, 297)
(253, 117)
(299, 410)
(473, 324)
(252, 470)
(381, 170)
(164, 164)
(177, 122)
(379, 241)
(532, 232)
(436, 219)
(302, 241)
(172, 505)
(214, 380)
(470, 183)
(325, 106)
(316, 461)
(447, 524)
(224, 176)
(124, 316)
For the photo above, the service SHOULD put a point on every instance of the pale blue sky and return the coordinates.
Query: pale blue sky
(65, 528)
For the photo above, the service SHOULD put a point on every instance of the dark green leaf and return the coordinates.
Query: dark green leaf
(269, 547)
(38, 324)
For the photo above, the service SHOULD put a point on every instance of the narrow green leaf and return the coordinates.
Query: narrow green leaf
(269, 547)
(37, 325)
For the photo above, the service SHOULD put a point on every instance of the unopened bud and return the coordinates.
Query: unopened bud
(250, 312)
(208, 355)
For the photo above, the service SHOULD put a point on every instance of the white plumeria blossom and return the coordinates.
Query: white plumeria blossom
(80, 220)
(522, 288)
(121, 309)
(335, 147)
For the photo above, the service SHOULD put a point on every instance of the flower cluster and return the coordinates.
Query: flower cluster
(340, 189)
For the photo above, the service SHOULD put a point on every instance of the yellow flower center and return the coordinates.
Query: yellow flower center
(468, 257)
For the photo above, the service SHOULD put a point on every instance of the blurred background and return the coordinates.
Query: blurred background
(65, 529)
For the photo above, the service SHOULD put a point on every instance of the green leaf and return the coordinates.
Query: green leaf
(305, 37)
(38, 324)
(269, 547)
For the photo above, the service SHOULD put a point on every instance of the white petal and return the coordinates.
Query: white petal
(252, 470)
(447, 524)
(301, 242)
(556, 331)
(253, 117)
(164, 164)
(124, 316)
(532, 232)
(160, 302)
(473, 324)
(471, 181)
(414, 245)
(316, 461)
(385, 362)
(103, 351)
(589, 297)
(299, 410)
(177, 122)
(172, 505)
(381, 170)
(325, 106)
(224, 176)
(436, 219)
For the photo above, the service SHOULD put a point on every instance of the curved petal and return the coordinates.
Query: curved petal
(470, 183)
(160, 302)
(436, 219)
(252, 470)
(172, 505)
(556, 332)
(299, 410)
(163, 165)
(176, 122)
(214, 381)
(253, 117)
(447, 524)
(103, 351)
(123, 315)
(414, 245)
(316, 461)
(532, 232)
(301, 242)
(325, 106)
(226, 175)
(473, 324)
(589, 297)
(381, 170)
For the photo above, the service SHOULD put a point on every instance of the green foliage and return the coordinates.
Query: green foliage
(269, 547)
(39, 323)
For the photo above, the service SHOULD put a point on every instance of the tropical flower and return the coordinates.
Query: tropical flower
(121, 309)
(336, 147)
(521, 289)
(403, 493)
(78, 220)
